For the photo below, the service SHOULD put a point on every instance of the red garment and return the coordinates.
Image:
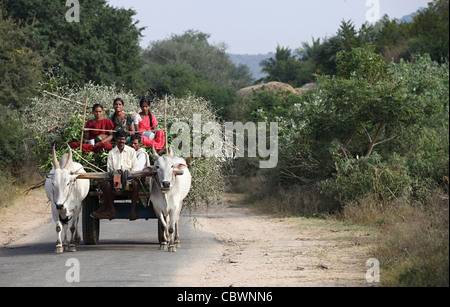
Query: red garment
(144, 125)
(158, 142)
(89, 148)
(104, 123)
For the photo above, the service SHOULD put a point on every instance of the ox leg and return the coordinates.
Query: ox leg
(72, 247)
(59, 245)
(77, 234)
(73, 231)
(177, 234)
(65, 242)
(163, 225)
(173, 222)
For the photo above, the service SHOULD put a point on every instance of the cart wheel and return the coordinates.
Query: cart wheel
(91, 226)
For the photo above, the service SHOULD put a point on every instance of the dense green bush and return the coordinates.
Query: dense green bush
(383, 180)
(378, 129)
(12, 134)
(20, 65)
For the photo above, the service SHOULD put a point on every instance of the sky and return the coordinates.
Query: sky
(258, 26)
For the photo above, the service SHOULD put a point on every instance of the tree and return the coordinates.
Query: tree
(427, 33)
(20, 66)
(430, 32)
(284, 67)
(369, 103)
(188, 64)
(103, 47)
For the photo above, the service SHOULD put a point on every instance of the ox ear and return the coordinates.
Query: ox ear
(69, 160)
(180, 166)
(151, 169)
(55, 160)
(155, 154)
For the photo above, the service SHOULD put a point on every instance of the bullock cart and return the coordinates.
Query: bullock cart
(144, 207)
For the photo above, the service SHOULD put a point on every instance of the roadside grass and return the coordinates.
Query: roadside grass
(9, 190)
(413, 245)
(13, 186)
(411, 241)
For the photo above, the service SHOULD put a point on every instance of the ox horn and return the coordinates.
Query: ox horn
(155, 154)
(170, 152)
(69, 160)
(55, 160)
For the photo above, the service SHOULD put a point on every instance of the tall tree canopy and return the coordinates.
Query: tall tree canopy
(188, 63)
(20, 66)
(428, 33)
(103, 47)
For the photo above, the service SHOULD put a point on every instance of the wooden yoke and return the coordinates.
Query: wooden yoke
(140, 174)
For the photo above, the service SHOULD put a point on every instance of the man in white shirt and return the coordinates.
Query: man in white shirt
(142, 156)
(121, 158)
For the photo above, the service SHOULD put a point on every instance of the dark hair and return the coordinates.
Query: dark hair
(97, 105)
(144, 100)
(136, 137)
(119, 99)
(120, 133)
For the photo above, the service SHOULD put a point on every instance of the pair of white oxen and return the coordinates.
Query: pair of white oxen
(66, 194)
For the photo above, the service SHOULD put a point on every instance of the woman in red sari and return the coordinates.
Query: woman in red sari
(146, 124)
(97, 133)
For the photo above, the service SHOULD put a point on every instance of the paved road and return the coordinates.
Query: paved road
(128, 255)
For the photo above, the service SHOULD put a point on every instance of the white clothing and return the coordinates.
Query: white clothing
(125, 160)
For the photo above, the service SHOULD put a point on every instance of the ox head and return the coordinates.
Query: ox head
(167, 167)
(63, 181)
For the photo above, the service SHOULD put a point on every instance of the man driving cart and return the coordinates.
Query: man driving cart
(121, 160)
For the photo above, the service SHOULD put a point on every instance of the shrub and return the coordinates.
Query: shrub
(12, 132)
(356, 178)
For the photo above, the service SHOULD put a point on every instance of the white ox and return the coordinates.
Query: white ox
(168, 191)
(66, 193)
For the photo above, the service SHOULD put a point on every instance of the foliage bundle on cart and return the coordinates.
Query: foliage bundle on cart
(53, 120)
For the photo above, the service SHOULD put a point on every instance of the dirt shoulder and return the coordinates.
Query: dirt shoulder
(24, 214)
(259, 250)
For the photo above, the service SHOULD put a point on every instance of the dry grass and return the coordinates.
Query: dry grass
(12, 186)
(413, 246)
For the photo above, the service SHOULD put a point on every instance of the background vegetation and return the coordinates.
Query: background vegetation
(188, 64)
(369, 145)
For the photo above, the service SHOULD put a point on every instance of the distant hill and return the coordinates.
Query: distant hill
(410, 18)
(252, 61)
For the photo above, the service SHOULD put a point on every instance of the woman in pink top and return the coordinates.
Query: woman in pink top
(146, 124)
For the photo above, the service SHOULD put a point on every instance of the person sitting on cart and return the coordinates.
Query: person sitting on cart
(98, 133)
(146, 125)
(122, 120)
(141, 154)
(122, 158)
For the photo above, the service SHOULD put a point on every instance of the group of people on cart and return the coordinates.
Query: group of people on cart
(129, 133)
(142, 127)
